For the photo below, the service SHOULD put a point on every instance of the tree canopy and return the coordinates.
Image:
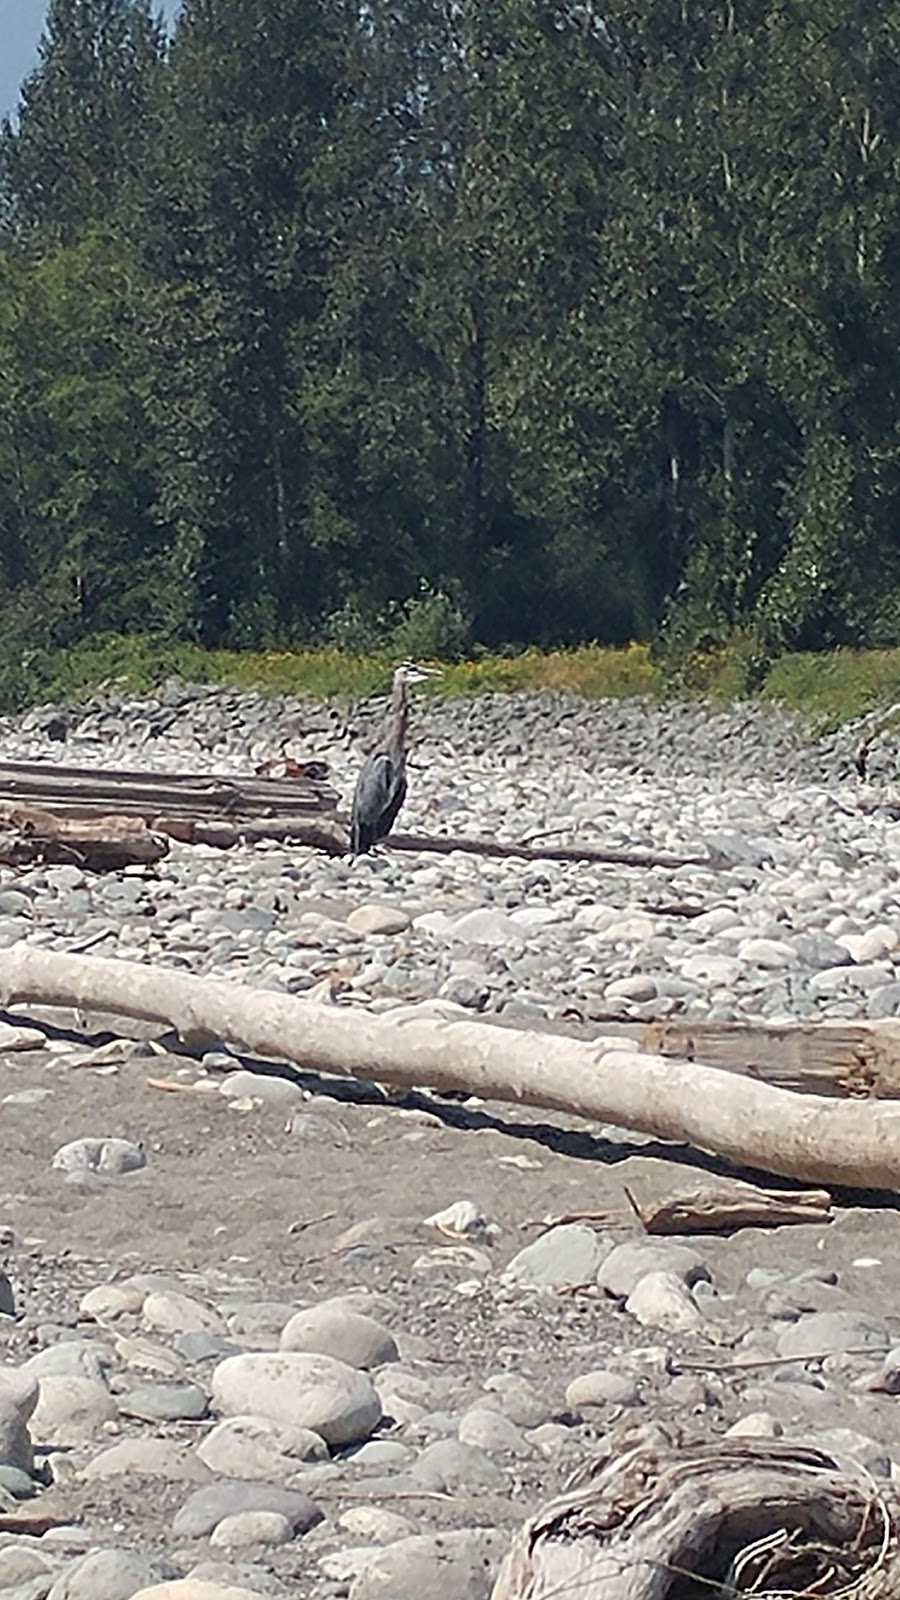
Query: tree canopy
(527, 321)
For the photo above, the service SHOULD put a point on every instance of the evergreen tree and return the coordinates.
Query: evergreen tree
(84, 125)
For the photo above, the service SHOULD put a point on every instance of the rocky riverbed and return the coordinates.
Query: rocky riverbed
(266, 1337)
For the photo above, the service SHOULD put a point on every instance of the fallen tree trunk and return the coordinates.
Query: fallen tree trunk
(98, 844)
(93, 791)
(853, 1143)
(658, 1518)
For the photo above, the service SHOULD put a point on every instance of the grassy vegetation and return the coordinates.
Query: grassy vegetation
(830, 687)
(139, 664)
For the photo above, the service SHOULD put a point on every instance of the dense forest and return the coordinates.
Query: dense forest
(498, 320)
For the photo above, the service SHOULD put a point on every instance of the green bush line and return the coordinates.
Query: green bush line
(829, 687)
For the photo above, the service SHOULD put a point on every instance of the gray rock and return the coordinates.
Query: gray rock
(258, 1447)
(492, 1432)
(448, 1466)
(569, 1254)
(147, 1458)
(205, 1508)
(625, 1265)
(826, 1331)
(309, 1391)
(332, 1329)
(18, 1398)
(112, 1574)
(7, 1298)
(16, 1482)
(165, 1402)
(79, 1358)
(459, 1565)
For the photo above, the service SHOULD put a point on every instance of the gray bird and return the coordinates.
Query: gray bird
(381, 786)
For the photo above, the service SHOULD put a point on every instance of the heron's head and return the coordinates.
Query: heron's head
(409, 672)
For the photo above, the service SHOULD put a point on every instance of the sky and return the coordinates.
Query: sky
(21, 26)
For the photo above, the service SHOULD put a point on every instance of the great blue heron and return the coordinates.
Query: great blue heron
(381, 786)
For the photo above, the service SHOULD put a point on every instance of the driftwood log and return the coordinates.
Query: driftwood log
(853, 1057)
(657, 1519)
(93, 791)
(100, 844)
(852, 1143)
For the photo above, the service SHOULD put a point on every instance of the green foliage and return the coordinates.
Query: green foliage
(404, 327)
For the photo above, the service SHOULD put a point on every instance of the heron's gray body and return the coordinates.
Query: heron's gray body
(381, 786)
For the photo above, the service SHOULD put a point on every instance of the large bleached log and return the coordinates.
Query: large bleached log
(853, 1143)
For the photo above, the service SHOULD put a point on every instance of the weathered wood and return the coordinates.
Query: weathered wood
(323, 834)
(99, 844)
(852, 1143)
(853, 1058)
(659, 1517)
(87, 791)
(723, 1207)
(508, 848)
(834, 1057)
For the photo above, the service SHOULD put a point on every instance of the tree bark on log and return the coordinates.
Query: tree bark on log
(658, 1519)
(852, 1143)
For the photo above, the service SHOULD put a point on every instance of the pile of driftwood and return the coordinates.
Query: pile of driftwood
(105, 820)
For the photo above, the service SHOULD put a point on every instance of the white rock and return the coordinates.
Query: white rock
(110, 1157)
(196, 1589)
(660, 1300)
(110, 1300)
(768, 953)
(244, 1528)
(270, 1090)
(71, 1410)
(378, 919)
(179, 1313)
(309, 1391)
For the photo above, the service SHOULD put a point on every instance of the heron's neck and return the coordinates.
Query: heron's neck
(396, 744)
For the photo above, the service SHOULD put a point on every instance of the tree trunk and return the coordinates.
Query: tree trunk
(851, 1143)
